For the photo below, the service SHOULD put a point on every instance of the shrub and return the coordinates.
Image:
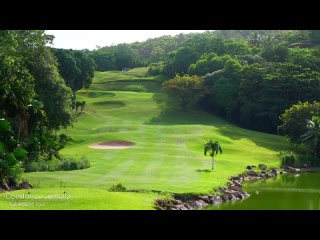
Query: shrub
(117, 188)
(298, 160)
(74, 164)
(185, 91)
(288, 159)
(156, 69)
(43, 165)
(11, 154)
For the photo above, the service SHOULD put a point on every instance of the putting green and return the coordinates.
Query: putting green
(168, 151)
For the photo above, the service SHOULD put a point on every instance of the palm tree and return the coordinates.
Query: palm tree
(213, 148)
(312, 136)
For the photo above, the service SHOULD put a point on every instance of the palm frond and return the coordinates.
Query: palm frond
(310, 124)
(207, 148)
(214, 148)
(220, 149)
(306, 136)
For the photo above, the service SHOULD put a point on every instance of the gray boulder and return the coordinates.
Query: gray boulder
(274, 171)
(225, 198)
(205, 198)
(252, 173)
(184, 208)
(216, 200)
(177, 202)
(262, 167)
(237, 183)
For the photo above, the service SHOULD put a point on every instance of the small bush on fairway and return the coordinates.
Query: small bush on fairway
(74, 164)
(117, 188)
(43, 165)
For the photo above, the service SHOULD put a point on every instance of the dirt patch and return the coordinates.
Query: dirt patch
(112, 145)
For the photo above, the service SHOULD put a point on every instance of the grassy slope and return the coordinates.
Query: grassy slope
(168, 154)
(77, 198)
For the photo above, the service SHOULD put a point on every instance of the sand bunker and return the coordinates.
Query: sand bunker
(112, 145)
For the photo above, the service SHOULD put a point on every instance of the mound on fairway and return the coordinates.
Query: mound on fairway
(110, 104)
(113, 145)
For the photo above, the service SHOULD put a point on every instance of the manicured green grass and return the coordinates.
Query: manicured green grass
(135, 80)
(132, 75)
(75, 199)
(168, 155)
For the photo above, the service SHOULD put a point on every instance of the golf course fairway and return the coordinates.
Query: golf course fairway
(167, 154)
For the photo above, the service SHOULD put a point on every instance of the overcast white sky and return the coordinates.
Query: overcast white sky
(82, 39)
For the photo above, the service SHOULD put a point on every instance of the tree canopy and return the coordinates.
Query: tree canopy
(76, 68)
(34, 103)
(184, 90)
(250, 77)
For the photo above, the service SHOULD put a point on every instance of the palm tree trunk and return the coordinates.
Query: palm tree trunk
(212, 162)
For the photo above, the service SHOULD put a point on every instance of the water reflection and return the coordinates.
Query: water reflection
(287, 191)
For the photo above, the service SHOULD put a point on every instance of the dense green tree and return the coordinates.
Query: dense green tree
(104, 60)
(11, 154)
(275, 53)
(232, 67)
(251, 77)
(304, 57)
(236, 48)
(16, 90)
(208, 63)
(138, 53)
(294, 37)
(257, 37)
(312, 136)
(156, 68)
(183, 58)
(157, 54)
(184, 90)
(294, 120)
(280, 86)
(249, 93)
(250, 59)
(69, 68)
(34, 101)
(16, 82)
(52, 91)
(87, 67)
(180, 60)
(314, 36)
(125, 57)
(76, 68)
(300, 56)
(226, 95)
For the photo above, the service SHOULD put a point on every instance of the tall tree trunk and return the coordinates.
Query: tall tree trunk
(19, 129)
(23, 128)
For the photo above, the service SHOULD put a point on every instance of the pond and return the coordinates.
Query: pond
(285, 192)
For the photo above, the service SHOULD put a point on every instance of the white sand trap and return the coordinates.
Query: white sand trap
(112, 145)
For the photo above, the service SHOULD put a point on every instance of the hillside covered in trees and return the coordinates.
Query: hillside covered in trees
(248, 77)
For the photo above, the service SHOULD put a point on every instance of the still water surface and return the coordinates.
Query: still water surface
(287, 191)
